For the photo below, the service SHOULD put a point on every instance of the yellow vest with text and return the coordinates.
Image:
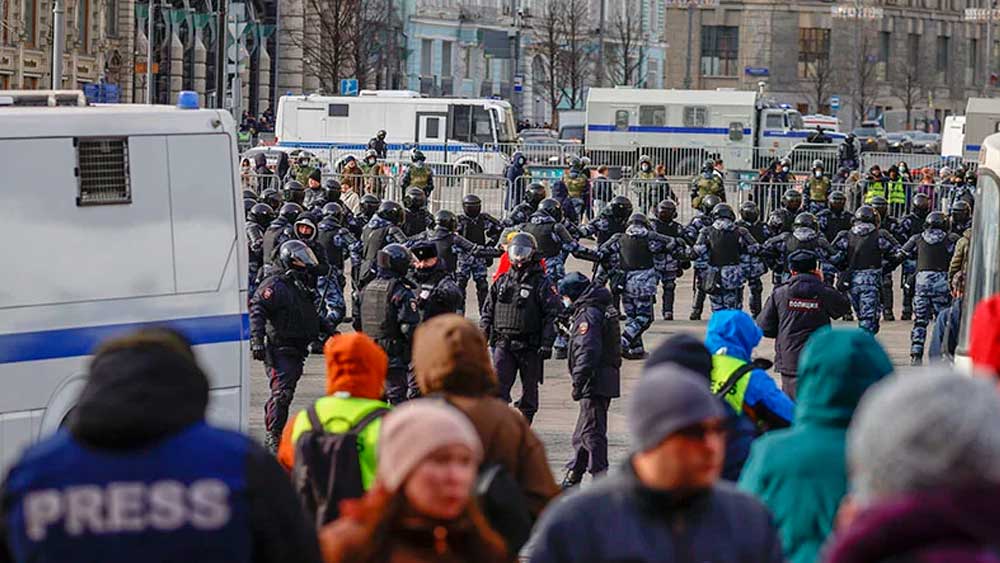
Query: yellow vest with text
(722, 367)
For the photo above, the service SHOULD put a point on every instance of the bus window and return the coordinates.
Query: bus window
(983, 265)
(736, 131)
(461, 123)
(482, 128)
(504, 123)
(695, 116)
(653, 115)
(621, 120)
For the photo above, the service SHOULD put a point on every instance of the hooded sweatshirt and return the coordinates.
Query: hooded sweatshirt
(801, 473)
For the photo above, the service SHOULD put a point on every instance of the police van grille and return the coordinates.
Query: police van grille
(102, 171)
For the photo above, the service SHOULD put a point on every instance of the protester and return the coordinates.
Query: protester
(800, 473)
(420, 508)
(450, 359)
(138, 475)
(666, 502)
(925, 481)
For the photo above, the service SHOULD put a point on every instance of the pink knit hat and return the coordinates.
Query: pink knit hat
(413, 431)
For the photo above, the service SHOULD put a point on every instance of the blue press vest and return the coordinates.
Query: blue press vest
(182, 499)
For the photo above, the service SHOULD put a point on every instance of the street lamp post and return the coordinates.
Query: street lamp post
(858, 12)
(987, 16)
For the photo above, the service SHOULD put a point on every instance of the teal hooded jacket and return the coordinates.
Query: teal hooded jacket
(800, 473)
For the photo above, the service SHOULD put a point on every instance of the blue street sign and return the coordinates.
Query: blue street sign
(518, 83)
(834, 102)
(348, 86)
(757, 71)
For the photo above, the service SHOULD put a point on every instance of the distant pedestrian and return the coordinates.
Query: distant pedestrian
(666, 503)
(947, 325)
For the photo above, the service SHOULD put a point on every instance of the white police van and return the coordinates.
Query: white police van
(472, 135)
(115, 217)
(982, 119)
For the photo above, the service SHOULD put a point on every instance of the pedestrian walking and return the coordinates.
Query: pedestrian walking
(944, 338)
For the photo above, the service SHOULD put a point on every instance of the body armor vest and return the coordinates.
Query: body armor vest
(547, 244)
(724, 248)
(294, 325)
(614, 227)
(863, 252)
(933, 257)
(635, 253)
(378, 319)
(445, 243)
(518, 314)
(326, 238)
(474, 230)
(835, 224)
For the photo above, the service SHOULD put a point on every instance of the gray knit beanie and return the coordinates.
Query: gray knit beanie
(924, 431)
(667, 399)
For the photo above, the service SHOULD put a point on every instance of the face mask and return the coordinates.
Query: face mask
(784, 169)
(818, 174)
(645, 168)
(567, 302)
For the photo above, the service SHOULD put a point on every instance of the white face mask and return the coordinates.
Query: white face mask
(784, 169)
(819, 174)
(567, 302)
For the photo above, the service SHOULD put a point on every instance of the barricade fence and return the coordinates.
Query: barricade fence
(913, 161)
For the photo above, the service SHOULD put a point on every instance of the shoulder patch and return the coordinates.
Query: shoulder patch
(583, 328)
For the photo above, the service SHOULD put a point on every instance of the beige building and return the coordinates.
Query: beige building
(917, 53)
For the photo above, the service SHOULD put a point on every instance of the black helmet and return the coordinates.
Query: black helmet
(262, 214)
(708, 165)
(666, 210)
(723, 211)
(293, 191)
(414, 199)
(552, 208)
(534, 194)
(838, 200)
(249, 194)
(305, 229)
(639, 219)
(417, 156)
(791, 200)
(332, 188)
(776, 220)
(573, 285)
(395, 258)
(334, 211)
(446, 220)
(391, 212)
(866, 214)
(921, 205)
(749, 212)
(806, 221)
(472, 205)
(709, 202)
(271, 197)
(621, 207)
(936, 220)
(521, 249)
(248, 205)
(296, 255)
(961, 211)
(290, 211)
(369, 204)
(380, 134)
(880, 205)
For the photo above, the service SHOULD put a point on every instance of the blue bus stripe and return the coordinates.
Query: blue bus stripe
(392, 147)
(973, 148)
(81, 341)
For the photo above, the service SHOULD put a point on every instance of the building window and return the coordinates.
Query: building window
(30, 83)
(488, 73)
(973, 53)
(814, 51)
(719, 50)
(446, 58)
(112, 18)
(4, 82)
(913, 50)
(426, 45)
(82, 21)
(943, 45)
(30, 21)
(468, 63)
(884, 41)
(653, 115)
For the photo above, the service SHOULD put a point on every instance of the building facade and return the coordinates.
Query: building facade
(916, 57)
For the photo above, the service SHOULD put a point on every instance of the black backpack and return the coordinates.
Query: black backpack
(327, 467)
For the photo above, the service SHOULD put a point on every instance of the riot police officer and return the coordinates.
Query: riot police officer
(436, 291)
(519, 321)
(835, 218)
(668, 267)
(338, 244)
(276, 233)
(691, 232)
(260, 217)
(522, 212)
(381, 231)
(817, 188)
(888, 224)
(271, 197)
(961, 217)
(389, 315)
(554, 241)
(283, 321)
(377, 144)
(418, 174)
(805, 235)
(481, 229)
(417, 219)
(859, 254)
(932, 250)
(611, 221)
(911, 225)
(722, 244)
(634, 253)
(705, 184)
(293, 191)
(754, 267)
(367, 208)
(451, 245)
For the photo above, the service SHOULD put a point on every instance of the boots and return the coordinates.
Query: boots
(695, 315)
(916, 359)
(559, 353)
(907, 315)
(571, 480)
(668, 315)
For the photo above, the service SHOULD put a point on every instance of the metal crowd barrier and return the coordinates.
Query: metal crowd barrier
(913, 161)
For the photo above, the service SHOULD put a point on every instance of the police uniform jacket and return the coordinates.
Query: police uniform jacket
(284, 310)
(595, 346)
(522, 307)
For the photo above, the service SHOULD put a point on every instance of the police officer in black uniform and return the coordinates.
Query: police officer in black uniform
(451, 245)
(383, 229)
(271, 197)
(367, 208)
(691, 231)
(669, 268)
(283, 321)
(293, 191)
(533, 195)
(594, 369)
(276, 233)
(377, 144)
(909, 226)
(835, 218)
(260, 217)
(482, 229)
(437, 293)
(519, 321)
(889, 224)
(338, 244)
(753, 266)
(389, 315)
(610, 222)
(417, 219)
(961, 217)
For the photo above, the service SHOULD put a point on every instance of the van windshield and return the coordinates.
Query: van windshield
(504, 121)
(795, 120)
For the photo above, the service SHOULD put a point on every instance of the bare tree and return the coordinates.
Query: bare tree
(575, 62)
(859, 74)
(623, 59)
(549, 32)
(912, 81)
(818, 82)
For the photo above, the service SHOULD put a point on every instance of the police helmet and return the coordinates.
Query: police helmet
(446, 220)
(961, 211)
(866, 214)
(791, 200)
(666, 210)
(585, 160)
(271, 197)
(806, 221)
(295, 255)
(645, 158)
(290, 211)
(248, 205)
(880, 205)
(249, 194)
(639, 219)
(472, 205)
(708, 166)
(723, 211)
(417, 156)
(776, 220)
(838, 200)
(262, 214)
(334, 211)
(749, 212)
(332, 188)
(621, 207)
(534, 194)
(574, 163)
(921, 205)
(518, 158)
(380, 134)
(709, 202)
(552, 208)
(370, 154)
(818, 164)
(414, 199)
(305, 229)
(391, 212)
(573, 285)
(369, 204)
(936, 220)
(293, 191)
(785, 162)
(521, 249)
(395, 258)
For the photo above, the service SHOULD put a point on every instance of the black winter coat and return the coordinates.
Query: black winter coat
(793, 312)
(594, 365)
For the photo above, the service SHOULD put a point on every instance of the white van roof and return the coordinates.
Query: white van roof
(983, 105)
(704, 97)
(108, 119)
(391, 97)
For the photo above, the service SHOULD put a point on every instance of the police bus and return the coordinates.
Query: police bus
(470, 135)
(115, 217)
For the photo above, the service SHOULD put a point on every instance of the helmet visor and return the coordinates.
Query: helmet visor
(519, 254)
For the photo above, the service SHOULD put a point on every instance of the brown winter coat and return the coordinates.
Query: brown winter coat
(961, 255)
